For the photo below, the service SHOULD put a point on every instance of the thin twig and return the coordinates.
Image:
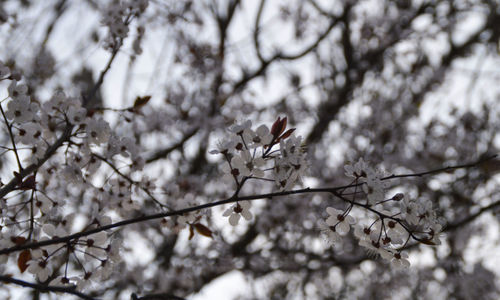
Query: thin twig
(129, 179)
(9, 128)
(444, 169)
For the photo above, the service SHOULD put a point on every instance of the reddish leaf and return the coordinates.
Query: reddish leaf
(22, 260)
(278, 127)
(427, 242)
(284, 121)
(275, 127)
(18, 240)
(141, 101)
(203, 230)
(191, 232)
(286, 134)
(91, 112)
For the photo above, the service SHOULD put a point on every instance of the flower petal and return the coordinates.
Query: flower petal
(234, 219)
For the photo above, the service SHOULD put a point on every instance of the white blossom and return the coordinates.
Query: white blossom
(247, 165)
(340, 220)
(241, 208)
(257, 138)
(240, 128)
(39, 265)
(18, 110)
(328, 232)
(400, 260)
(17, 90)
(98, 131)
(359, 169)
(409, 211)
(29, 133)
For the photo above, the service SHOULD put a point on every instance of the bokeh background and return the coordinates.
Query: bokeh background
(409, 86)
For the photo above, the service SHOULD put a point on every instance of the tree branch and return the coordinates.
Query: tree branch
(46, 288)
(232, 199)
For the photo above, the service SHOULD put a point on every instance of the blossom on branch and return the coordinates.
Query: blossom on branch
(339, 220)
(241, 208)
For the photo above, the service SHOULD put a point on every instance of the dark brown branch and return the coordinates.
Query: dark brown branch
(164, 152)
(313, 46)
(471, 217)
(281, 56)
(14, 148)
(232, 199)
(100, 80)
(59, 9)
(444, 169)
(256, 31)
(46, 288)
(157, 297)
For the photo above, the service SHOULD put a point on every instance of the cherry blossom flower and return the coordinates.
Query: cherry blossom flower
(240, 128)
(39, 265)
(281, 176)
(29, 133)
(258, 138)
(400, 260)
(129, 204)
(76, 115)
(427, 216)
(96, 245)
(123, 146)
(38, 150)
(185, 219)
(225, 146)
(291, 164)
(17, 90)
(395, 233)
(72, 173)
(436, 234)
(328, 232)
(43, 204)
(291, 150)
(374, 189)
(366, 233)
(373, 246)
(114, 18)
(98, 131)
(247, 165)
(409, 211)
(18, 110)
(359, 169)
(241, 208)
(339, 220)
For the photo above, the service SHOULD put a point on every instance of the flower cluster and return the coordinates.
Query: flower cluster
(371, 179)
(117, 17)
(261, 154)
(391, 230)
(35, 127)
